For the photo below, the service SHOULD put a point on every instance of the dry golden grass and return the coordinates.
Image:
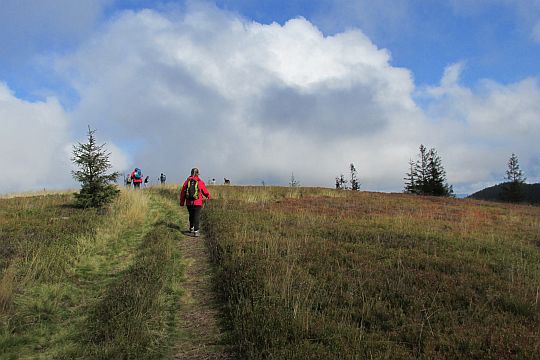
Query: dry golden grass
(43, 192)
(129, 211)
(69, 275)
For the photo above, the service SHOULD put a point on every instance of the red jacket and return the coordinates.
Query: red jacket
(136, 180)
(202, 190)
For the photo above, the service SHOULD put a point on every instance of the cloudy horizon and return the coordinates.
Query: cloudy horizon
(255, 96)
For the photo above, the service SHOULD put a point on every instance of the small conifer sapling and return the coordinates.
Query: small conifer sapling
(93, 162)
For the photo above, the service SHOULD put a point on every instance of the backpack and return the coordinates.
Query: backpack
(192, 190)
(138, 173)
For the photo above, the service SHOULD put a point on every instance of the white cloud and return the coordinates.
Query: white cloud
(480, 127)
(257, 102)
(118, 158)
(245, 100)
(31, 143)
(35, 145)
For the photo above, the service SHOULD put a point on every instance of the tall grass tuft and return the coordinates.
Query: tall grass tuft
(127, 213)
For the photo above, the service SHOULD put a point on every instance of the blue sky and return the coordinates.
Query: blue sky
(378, 70)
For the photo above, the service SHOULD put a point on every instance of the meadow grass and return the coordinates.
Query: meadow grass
(31, 228)
(38, 241)
(88, 284)
(136, 316)
(304, 272)
(320, 273)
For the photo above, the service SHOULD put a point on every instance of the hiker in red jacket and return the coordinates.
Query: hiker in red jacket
(192, 195)
(137, 177)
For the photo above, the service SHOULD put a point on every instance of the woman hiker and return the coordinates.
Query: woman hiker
(192, 195)
(137, 178)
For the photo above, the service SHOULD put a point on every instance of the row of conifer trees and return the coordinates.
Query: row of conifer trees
(426, 176)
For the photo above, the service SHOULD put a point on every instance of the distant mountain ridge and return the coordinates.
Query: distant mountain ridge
(531, 193)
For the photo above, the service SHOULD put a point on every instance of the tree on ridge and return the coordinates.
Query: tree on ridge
(355, 185)
(93, 163)
(427, 176)
(341, 183)
(512, 189)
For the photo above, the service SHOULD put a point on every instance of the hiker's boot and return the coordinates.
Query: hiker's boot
(196, 233)
(192, 230)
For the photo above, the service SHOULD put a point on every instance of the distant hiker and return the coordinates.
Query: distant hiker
(146, 179)
(137, 177)
(192, 195)
(213, 181)
(226, 181)
(162, 178)
(128, 181)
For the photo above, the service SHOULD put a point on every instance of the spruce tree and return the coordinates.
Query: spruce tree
(93, 163)
(436, 182)
(341, 183)
(423, 171)
(355, 185)
(411, 179)
(427, 175)
(512, 189)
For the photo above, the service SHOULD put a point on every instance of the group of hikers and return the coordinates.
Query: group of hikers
(191, 194)
(136, 178)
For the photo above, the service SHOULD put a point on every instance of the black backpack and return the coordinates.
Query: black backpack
(192, 190)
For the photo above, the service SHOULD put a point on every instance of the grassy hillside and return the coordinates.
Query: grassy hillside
(84, 284)
(304, 273)
(317, 273)
(531, 193)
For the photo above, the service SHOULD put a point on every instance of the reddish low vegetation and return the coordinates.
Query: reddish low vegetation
(316, 273)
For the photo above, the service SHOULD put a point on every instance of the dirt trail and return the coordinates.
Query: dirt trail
(201, 336)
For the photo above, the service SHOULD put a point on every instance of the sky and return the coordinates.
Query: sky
(256, 91)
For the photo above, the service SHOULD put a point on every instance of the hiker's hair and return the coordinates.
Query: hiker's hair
(194, 172)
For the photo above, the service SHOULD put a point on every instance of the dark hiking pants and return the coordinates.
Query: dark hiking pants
(194, 216)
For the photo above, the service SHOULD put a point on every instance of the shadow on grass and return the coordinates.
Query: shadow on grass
(188, 233)
(171, 226)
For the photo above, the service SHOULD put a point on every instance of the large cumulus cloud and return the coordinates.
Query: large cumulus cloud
(255, 102)
(243, 99)
(32, 143)
(478, 128)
